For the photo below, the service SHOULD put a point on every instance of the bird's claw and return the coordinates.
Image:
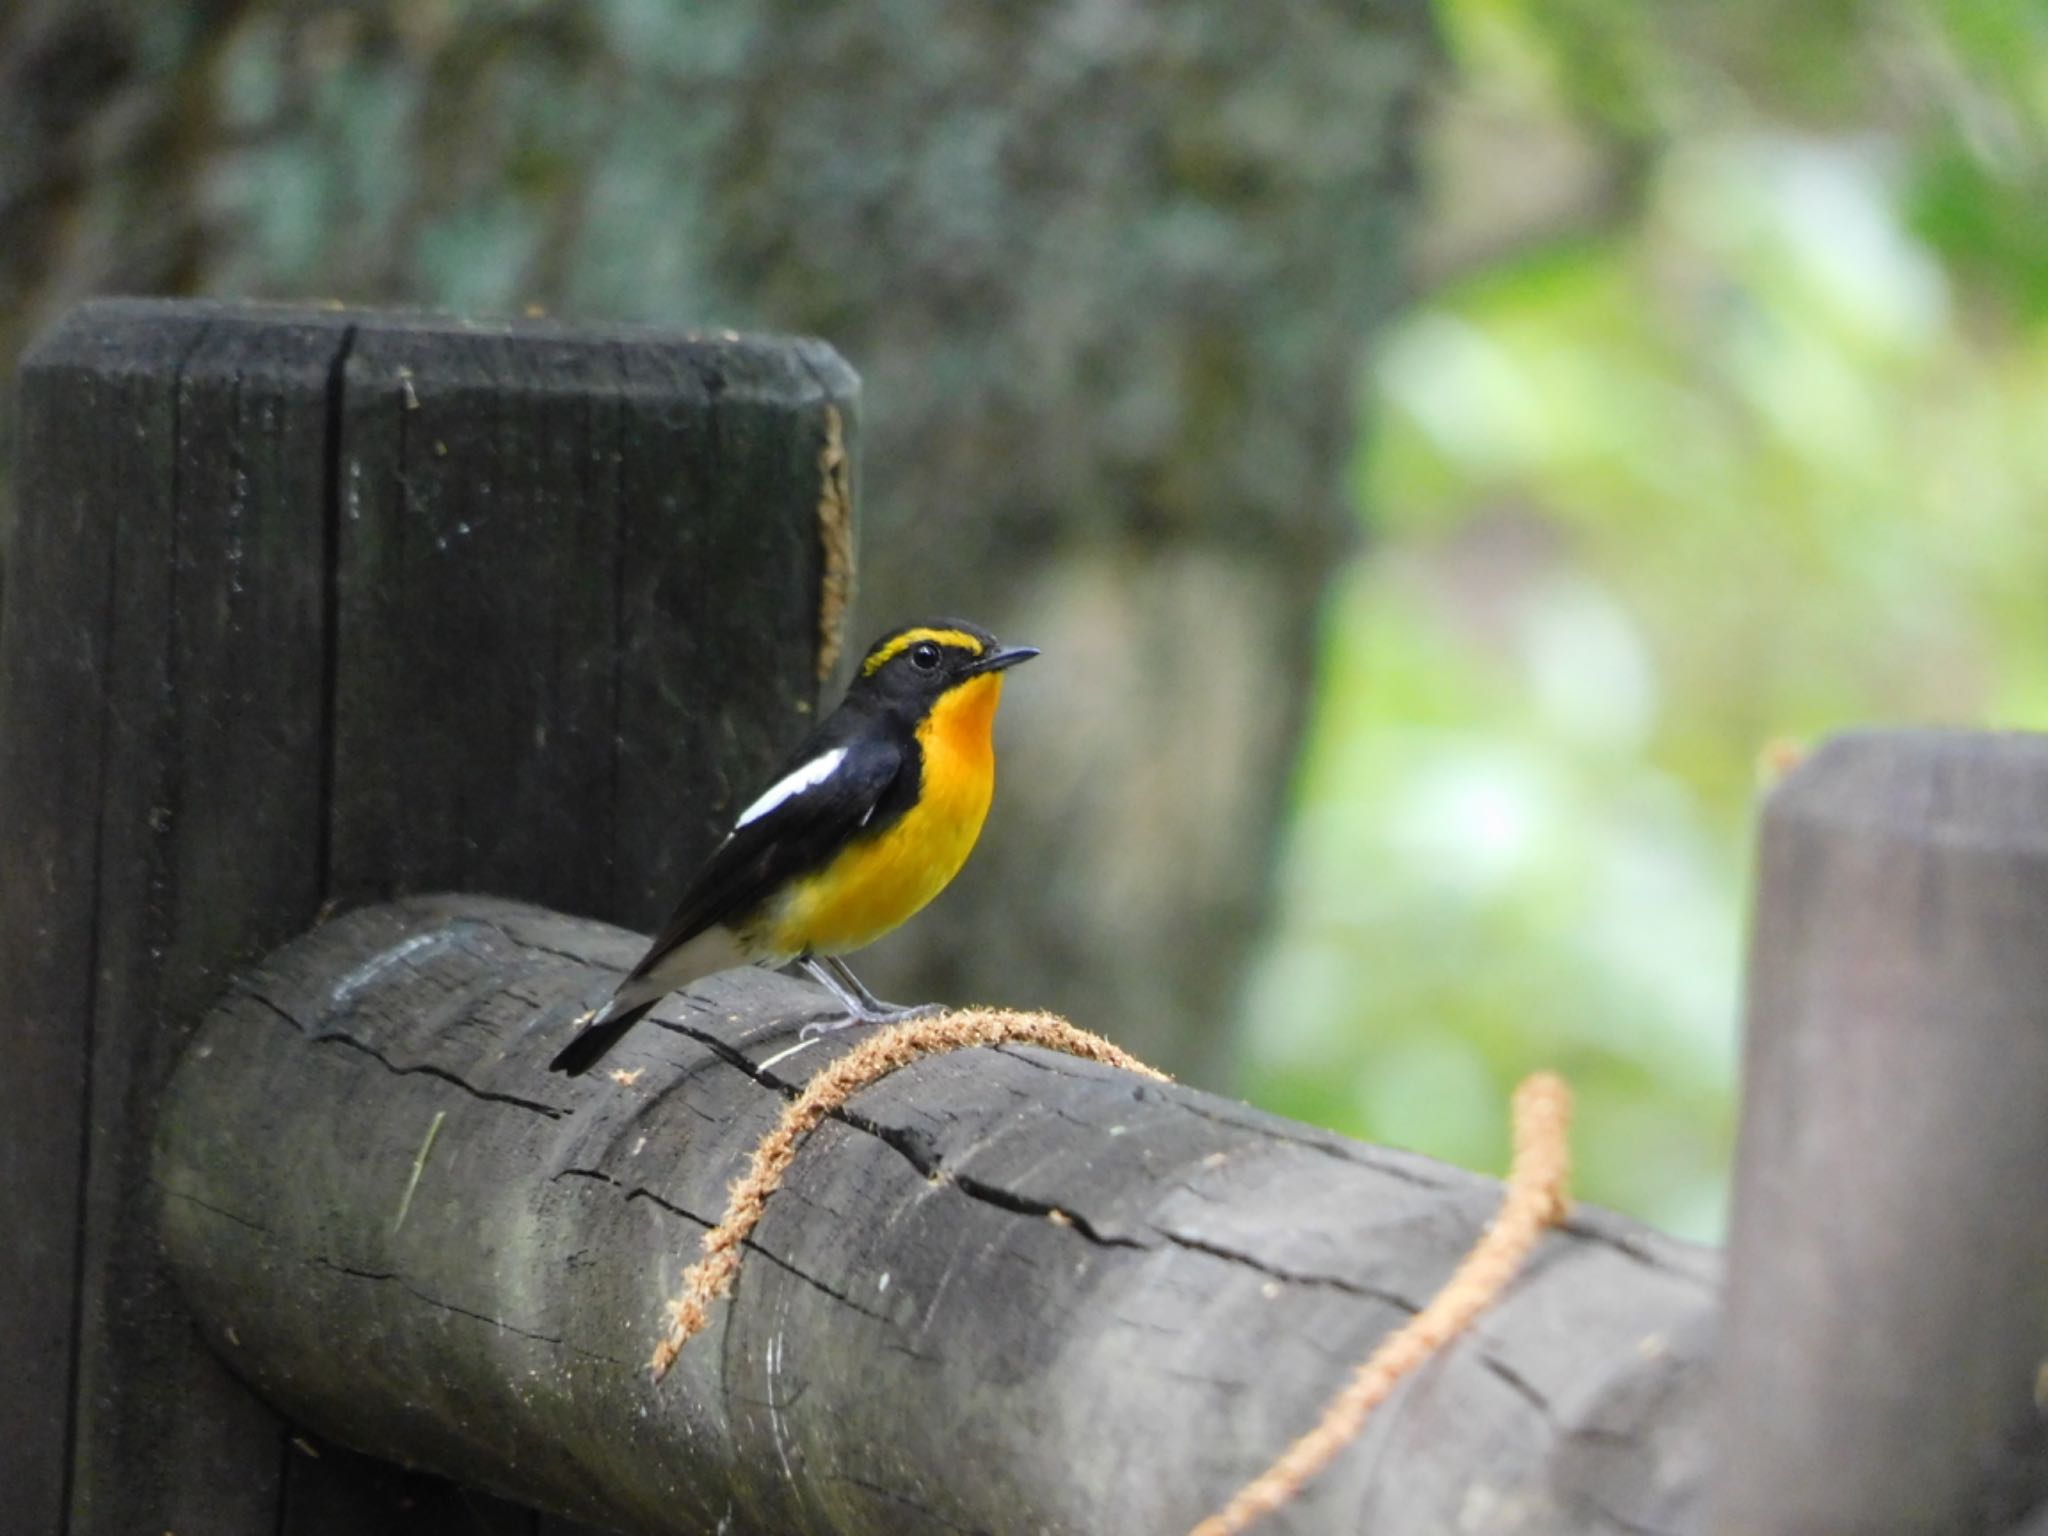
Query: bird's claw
(845, 1018)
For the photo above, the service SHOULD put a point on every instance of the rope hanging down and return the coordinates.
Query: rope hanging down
(1535, 1200)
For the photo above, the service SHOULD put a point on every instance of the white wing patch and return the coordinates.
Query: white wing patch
(790, 785)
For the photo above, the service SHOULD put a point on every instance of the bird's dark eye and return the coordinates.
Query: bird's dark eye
(924, 656)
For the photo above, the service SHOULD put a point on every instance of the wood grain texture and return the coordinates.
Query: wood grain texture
(54, 645)
(181, 455)
(308, 605)
(1888, 1294)
(211, 794)
(916, 1342)
(577, 602)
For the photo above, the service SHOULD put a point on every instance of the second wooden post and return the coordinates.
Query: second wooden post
(1888, 1274)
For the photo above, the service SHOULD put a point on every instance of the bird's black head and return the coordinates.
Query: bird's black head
(917, 664)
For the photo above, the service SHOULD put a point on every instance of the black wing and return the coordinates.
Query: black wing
(795, 837)
(866, 785)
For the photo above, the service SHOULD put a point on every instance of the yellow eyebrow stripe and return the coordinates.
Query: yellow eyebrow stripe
(896, 645)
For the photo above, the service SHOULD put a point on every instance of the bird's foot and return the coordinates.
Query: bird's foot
(857, 1005)
(867, 1013)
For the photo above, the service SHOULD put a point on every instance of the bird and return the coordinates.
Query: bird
(867, 819)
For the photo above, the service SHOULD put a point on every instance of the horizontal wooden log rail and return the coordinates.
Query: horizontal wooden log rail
(1003, 1290)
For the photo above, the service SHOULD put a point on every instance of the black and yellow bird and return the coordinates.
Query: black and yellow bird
(870, 817)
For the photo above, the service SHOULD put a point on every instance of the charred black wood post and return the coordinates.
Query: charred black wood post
(1005, 1291)
(311, 605)
(1888, 1273)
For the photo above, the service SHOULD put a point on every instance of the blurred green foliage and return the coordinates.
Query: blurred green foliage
(1721, 427)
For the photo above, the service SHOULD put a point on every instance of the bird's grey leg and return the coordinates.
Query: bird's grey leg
(861, 1006)
(868, 1000)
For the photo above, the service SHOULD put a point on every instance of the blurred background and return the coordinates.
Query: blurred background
(1450, 454)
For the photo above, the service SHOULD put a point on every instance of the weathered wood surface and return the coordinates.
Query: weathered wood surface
(917, 1343)
(150, 799)
(53, 653)
(1888, 1269)
(310, 605)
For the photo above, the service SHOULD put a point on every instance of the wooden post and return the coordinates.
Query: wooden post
(1003, 1291)
(1888, 1274)
(307, 605)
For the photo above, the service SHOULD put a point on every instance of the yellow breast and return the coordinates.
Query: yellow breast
(881, 880)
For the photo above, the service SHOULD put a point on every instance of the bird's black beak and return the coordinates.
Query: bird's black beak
(996, 661)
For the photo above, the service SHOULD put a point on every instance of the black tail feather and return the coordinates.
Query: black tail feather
(589, 1047)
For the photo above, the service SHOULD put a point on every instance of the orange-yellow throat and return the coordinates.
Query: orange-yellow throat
(879, 881)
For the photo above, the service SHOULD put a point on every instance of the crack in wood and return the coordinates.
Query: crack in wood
(397, 1278)
(1344, 1283)
(206, 1205)
(1264, 1128)
(895, 1496)
(418, 1069)
(518, 941)
(912, 1147)
(427, 1069)
(641, 1192)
